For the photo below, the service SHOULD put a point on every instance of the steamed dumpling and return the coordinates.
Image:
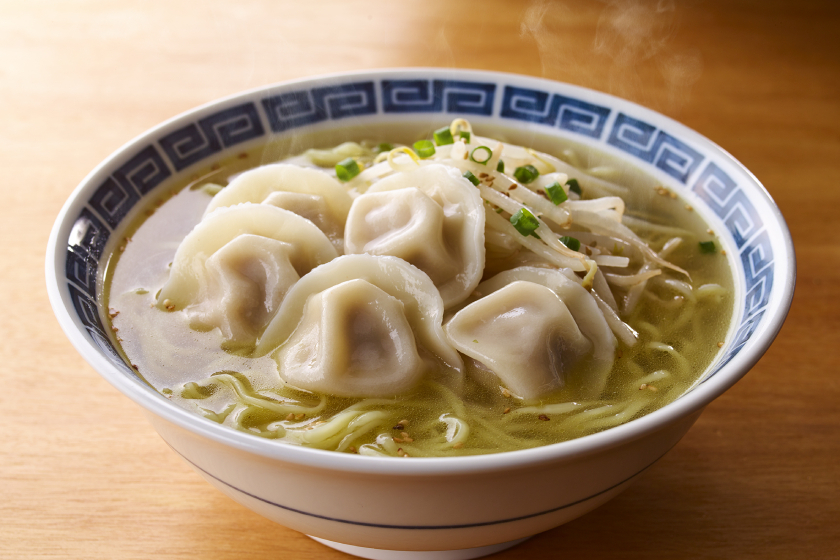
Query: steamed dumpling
(523, 333)
(352, 340)
(360, 326)
(307, 192)
(533, 328)
(234, 268)
(431, 217)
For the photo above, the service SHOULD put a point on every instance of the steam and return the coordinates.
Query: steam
(638, 36)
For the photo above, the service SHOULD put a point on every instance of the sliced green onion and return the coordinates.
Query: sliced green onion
(556, 193)
(443, 136)
(346, 169)
(424, 148)
(478, 154)
(525, 222)
(707, 247)
(526, 174)
(500, 167)
(570, 242)
(465, 135)
(384, 147)
(574, 186)
(472, 178)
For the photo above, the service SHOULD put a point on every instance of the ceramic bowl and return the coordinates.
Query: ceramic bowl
(441, 507)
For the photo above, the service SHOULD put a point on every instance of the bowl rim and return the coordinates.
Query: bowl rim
(153, 402)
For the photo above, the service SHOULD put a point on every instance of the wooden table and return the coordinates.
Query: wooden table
(83, 475)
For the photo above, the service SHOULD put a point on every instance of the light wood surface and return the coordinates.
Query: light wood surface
(83, 475)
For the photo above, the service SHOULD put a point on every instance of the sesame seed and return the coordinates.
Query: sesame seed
(483, 175)
(543, 417)
(458, 445)
(398, 427)
(513, 186)
(723, 251)
(399, 440)
(352, 449)
(710, 231)
(652, 388)
(505, 393)
(290, 416)
(720, 344)
(689, 207)
(643, 386)
(300, 416)
(506, 410)
(215, 167)
(243, 155)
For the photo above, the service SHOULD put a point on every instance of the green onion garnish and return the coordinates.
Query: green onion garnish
(526, 174)
(570, 242)
(707, 247)
(424, 148)
(500, 167)
(466, 136)
(525, 222)
(346, 169)
(384, 147)
(574, 186)
(482, 154)
(443, 136)
(556, 193)
(472, 178)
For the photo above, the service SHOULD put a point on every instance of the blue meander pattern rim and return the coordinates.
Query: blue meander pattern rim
(297, 106)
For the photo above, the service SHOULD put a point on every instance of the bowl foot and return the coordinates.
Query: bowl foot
(380, 554)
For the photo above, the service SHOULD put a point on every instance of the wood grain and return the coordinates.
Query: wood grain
(83, 475)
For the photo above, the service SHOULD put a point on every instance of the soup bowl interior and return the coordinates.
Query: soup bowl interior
(430, 504)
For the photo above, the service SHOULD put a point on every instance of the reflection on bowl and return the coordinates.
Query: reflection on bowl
(478, 504)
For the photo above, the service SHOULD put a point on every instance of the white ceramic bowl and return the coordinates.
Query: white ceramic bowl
(468, 506)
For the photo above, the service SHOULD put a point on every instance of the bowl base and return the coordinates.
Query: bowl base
(380, 554)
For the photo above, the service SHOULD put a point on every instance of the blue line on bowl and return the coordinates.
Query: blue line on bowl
(420, 527)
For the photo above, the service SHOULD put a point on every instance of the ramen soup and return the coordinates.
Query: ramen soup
(457, 295)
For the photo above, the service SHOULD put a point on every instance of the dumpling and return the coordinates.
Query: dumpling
(534, 328)
(233, 269)
(431, 217)
(360, 326)
(353, 340)
(308, 192)
(524, 334)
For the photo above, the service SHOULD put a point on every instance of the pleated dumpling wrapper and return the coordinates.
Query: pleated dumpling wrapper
(234, 268)
(535, 328)
(308, 192)
(361, 326)
(430, 216)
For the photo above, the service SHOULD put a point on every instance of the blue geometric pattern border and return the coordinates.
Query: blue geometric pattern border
(294, 108)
